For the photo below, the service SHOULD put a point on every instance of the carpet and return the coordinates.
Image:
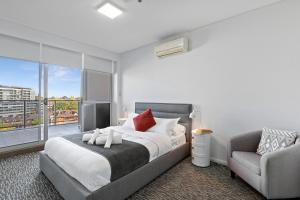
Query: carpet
(21, 179)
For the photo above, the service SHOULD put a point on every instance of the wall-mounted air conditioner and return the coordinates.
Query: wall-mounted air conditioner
(179, 45)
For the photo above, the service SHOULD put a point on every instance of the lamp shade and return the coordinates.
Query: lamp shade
(193, 114)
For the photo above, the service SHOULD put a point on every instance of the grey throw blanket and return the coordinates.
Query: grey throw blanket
(123, 158)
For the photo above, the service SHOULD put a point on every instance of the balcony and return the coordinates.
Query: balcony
(20, 121)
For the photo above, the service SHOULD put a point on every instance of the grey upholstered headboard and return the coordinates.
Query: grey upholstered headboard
(169, 110)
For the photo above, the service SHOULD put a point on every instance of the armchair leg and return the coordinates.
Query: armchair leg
(232, 174)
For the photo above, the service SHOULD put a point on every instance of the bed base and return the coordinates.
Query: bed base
(71, 189)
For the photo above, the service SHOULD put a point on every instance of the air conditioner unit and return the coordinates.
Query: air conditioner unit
(179, 45)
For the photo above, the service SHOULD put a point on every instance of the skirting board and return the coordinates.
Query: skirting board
(21, 149)
(219, 161)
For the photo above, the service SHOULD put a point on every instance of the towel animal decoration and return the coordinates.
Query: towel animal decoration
(103, 136)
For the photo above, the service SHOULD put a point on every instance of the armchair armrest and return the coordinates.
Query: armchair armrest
(280, 173)
(297, 140)
(245, 142)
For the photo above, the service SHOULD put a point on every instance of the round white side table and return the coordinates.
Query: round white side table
(201, 149)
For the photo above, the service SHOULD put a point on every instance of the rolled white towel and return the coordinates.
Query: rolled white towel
(94, 137)
(101, 139)
(86, 137)
(109, 139)
(117, 138)
(101, 130)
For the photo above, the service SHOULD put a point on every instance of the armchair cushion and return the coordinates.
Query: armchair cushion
(249, 160)
(273, 140)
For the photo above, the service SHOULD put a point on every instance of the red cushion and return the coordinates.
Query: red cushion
(144, 121)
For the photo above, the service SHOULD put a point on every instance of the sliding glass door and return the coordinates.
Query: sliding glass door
(21, 106)
(64, 84)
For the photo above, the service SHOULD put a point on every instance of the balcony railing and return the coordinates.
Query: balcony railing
(63, 111)
(18, 114)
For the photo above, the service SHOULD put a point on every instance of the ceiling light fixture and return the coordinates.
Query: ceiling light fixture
(110, 10)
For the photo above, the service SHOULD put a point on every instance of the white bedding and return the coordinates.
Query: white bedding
(93, 170)
(178, 141)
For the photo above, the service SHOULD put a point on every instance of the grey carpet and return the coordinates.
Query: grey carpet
(20, 178)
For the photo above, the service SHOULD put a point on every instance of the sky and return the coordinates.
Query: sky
(62, 81)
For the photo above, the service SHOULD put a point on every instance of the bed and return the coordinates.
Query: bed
(121, 188)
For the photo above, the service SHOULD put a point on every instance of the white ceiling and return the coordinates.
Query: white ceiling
(141, 23)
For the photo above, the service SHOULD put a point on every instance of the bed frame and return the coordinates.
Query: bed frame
(71, 189)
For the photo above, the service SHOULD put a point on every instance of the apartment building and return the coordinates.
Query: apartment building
(16, 101)
(16, 93)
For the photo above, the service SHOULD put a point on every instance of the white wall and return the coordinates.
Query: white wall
(243, 73)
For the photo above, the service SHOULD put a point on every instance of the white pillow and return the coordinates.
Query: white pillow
(178, 130)
(129, 122)
(165, 126)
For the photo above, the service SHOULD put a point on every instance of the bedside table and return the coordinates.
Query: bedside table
(121, 121)
(201, 149)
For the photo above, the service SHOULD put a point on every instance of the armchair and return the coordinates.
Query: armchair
(276, 175)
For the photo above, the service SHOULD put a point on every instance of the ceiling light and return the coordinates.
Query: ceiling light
(110, 10)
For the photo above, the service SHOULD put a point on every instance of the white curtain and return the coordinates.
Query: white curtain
(98, 64)
(62, 57)
(18, 48)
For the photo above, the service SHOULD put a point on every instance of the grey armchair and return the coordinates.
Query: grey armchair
(276, 175)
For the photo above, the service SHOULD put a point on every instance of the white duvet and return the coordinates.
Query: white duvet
(93, 170)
